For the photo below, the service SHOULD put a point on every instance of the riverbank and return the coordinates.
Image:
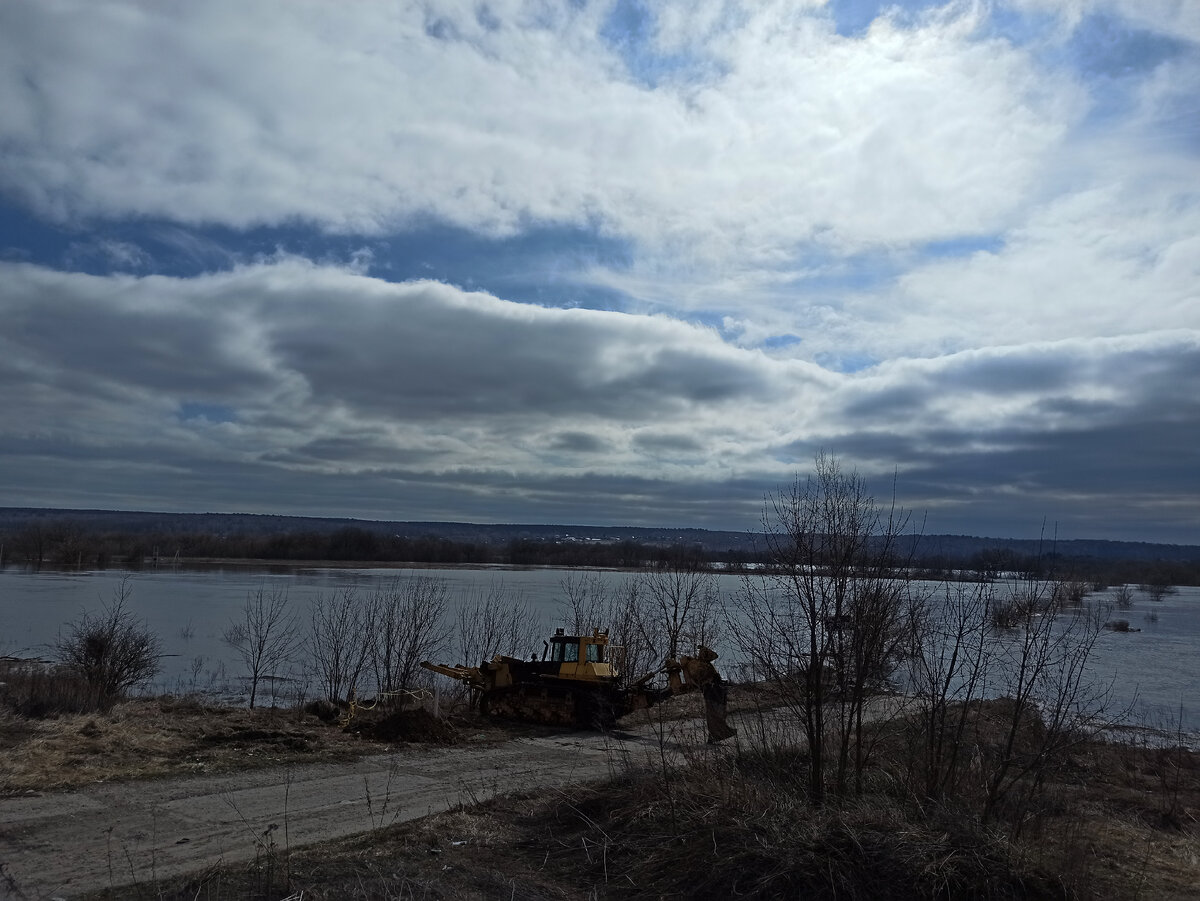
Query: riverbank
(168, 737)
(699, 821)
(726, 823)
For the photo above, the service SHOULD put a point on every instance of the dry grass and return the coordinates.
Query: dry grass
(1131, 814)
(152, 738)
(635, 839)
(723, 828)
(1115, 821)
(39, 688)
(54, 736)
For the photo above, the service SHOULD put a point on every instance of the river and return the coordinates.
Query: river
(1154, 671)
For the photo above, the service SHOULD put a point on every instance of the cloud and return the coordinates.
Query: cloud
(111, 254)
(778, 168)
(301, 353)
(250, 113)
(1176, 18)
(956, 240)
(329, 392)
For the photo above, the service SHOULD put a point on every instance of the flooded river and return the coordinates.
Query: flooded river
(1155, 670)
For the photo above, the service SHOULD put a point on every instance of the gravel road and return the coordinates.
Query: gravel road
(58, 845)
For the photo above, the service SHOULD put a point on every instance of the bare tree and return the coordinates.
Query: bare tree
(264, 634)
(406, 623)
(340, 642)
(826, 623)
(947, 668)
(1041, 669)
(589, 601)
(494, 622)
(113, 651)
(679, 605)
(592, 601)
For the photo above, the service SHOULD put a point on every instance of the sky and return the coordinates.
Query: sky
(609, 263)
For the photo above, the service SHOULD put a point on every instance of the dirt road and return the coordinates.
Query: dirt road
(57, 845)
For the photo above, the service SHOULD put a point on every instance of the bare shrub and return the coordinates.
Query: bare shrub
(264, 635)
(1157, 590)
(1123, 597)
(1005, 615)
(947, 669)
(113, 651)
(1053, 703)
(1070, 592)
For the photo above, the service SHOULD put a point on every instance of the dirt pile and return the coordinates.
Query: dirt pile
(405, 725)
(267, 738)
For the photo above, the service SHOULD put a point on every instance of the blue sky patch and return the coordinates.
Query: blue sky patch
(1106, 46)
(965, 246)
(845, 363)
(858, 272)
(852, 18)
(539, 265)
(1020, 27)
(629, 30)
(190, 410)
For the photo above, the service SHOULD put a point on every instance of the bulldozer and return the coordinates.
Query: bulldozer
(577, 682)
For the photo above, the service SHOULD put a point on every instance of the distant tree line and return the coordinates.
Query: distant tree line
(63, 543)
(67, 544)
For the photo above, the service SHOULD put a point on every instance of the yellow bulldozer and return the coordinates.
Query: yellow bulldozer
(577, 682)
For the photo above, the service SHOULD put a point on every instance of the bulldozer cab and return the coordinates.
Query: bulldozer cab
(581, 656)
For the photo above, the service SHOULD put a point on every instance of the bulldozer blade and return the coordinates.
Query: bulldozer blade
(467, 674)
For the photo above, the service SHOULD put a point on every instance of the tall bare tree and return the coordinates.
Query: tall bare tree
(947, 667)
(406, 623)
(826, 622)
(265, 636)
(595, 601)
(495, 621)
(340, 642)
(679, 608)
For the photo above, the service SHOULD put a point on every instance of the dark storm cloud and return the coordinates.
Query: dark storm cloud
(578, 443)
(657, 442)
(428, 350)
(344, 394)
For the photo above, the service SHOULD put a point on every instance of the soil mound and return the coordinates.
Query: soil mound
(278, 738)
(405, 725)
